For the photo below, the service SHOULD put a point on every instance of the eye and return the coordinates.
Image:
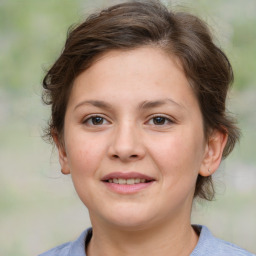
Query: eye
(160, 120)
(95, 120)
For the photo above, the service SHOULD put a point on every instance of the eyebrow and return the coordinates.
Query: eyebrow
(157, 103)
(96, 103)
(144, 105)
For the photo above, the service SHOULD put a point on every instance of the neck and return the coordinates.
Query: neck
(170, 238)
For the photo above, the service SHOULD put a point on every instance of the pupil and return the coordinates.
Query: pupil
(159, 120)
(97, 120)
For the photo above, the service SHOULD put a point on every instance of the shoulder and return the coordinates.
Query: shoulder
(210, 245)
(74, 248)
(59, 250)
(227, 248)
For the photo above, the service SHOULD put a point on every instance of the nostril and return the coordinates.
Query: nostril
(131, 156)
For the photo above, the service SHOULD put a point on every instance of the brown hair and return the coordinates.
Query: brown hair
(138, 23)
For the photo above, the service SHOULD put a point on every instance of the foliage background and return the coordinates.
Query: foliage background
(38, 206)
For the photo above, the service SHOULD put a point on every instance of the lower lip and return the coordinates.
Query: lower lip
(128, 189)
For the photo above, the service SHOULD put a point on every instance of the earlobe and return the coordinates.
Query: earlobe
(62, 154)
(213, 153)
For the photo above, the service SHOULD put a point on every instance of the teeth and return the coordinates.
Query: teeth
(121, 181)
(137, 181)
(128, 181)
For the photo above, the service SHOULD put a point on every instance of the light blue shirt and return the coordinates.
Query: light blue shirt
(207, 245)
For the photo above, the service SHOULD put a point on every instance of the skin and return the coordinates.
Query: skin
(127, 138)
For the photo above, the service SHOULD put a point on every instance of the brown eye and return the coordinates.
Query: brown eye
(159, 120)
(95, 120)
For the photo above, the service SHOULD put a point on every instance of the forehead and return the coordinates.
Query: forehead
(143, 72)
(145, 57)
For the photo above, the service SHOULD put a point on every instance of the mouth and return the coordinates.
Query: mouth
(131, 181)
(127, 182)
(129, 178)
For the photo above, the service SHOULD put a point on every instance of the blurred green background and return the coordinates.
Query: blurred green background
(38, 206)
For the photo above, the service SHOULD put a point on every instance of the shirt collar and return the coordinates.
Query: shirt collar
(206, 241)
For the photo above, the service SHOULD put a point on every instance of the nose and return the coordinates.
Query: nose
(127, 143)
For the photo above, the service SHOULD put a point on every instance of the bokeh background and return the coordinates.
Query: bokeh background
(38, 206)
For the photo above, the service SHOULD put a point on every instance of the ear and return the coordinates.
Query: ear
(213, 153)
(62, 154)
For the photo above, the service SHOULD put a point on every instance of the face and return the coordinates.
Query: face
(134, 141)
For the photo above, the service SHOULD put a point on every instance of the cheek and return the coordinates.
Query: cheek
(178, 153)
(84, 155)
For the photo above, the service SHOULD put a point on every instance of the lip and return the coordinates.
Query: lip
(127, 188)
(127, 175)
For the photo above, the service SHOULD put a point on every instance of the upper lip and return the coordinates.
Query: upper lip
(127, 175)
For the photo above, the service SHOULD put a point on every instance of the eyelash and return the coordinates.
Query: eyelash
(169, 121)
(163, 118)
(91, 118)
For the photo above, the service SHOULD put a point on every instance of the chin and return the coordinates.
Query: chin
(130, 224)
(132, 219)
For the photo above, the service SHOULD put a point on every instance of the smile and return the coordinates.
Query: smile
(127, 181)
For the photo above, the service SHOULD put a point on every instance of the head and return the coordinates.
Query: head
(135, 24)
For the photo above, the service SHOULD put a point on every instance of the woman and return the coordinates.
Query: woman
(139, 119)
